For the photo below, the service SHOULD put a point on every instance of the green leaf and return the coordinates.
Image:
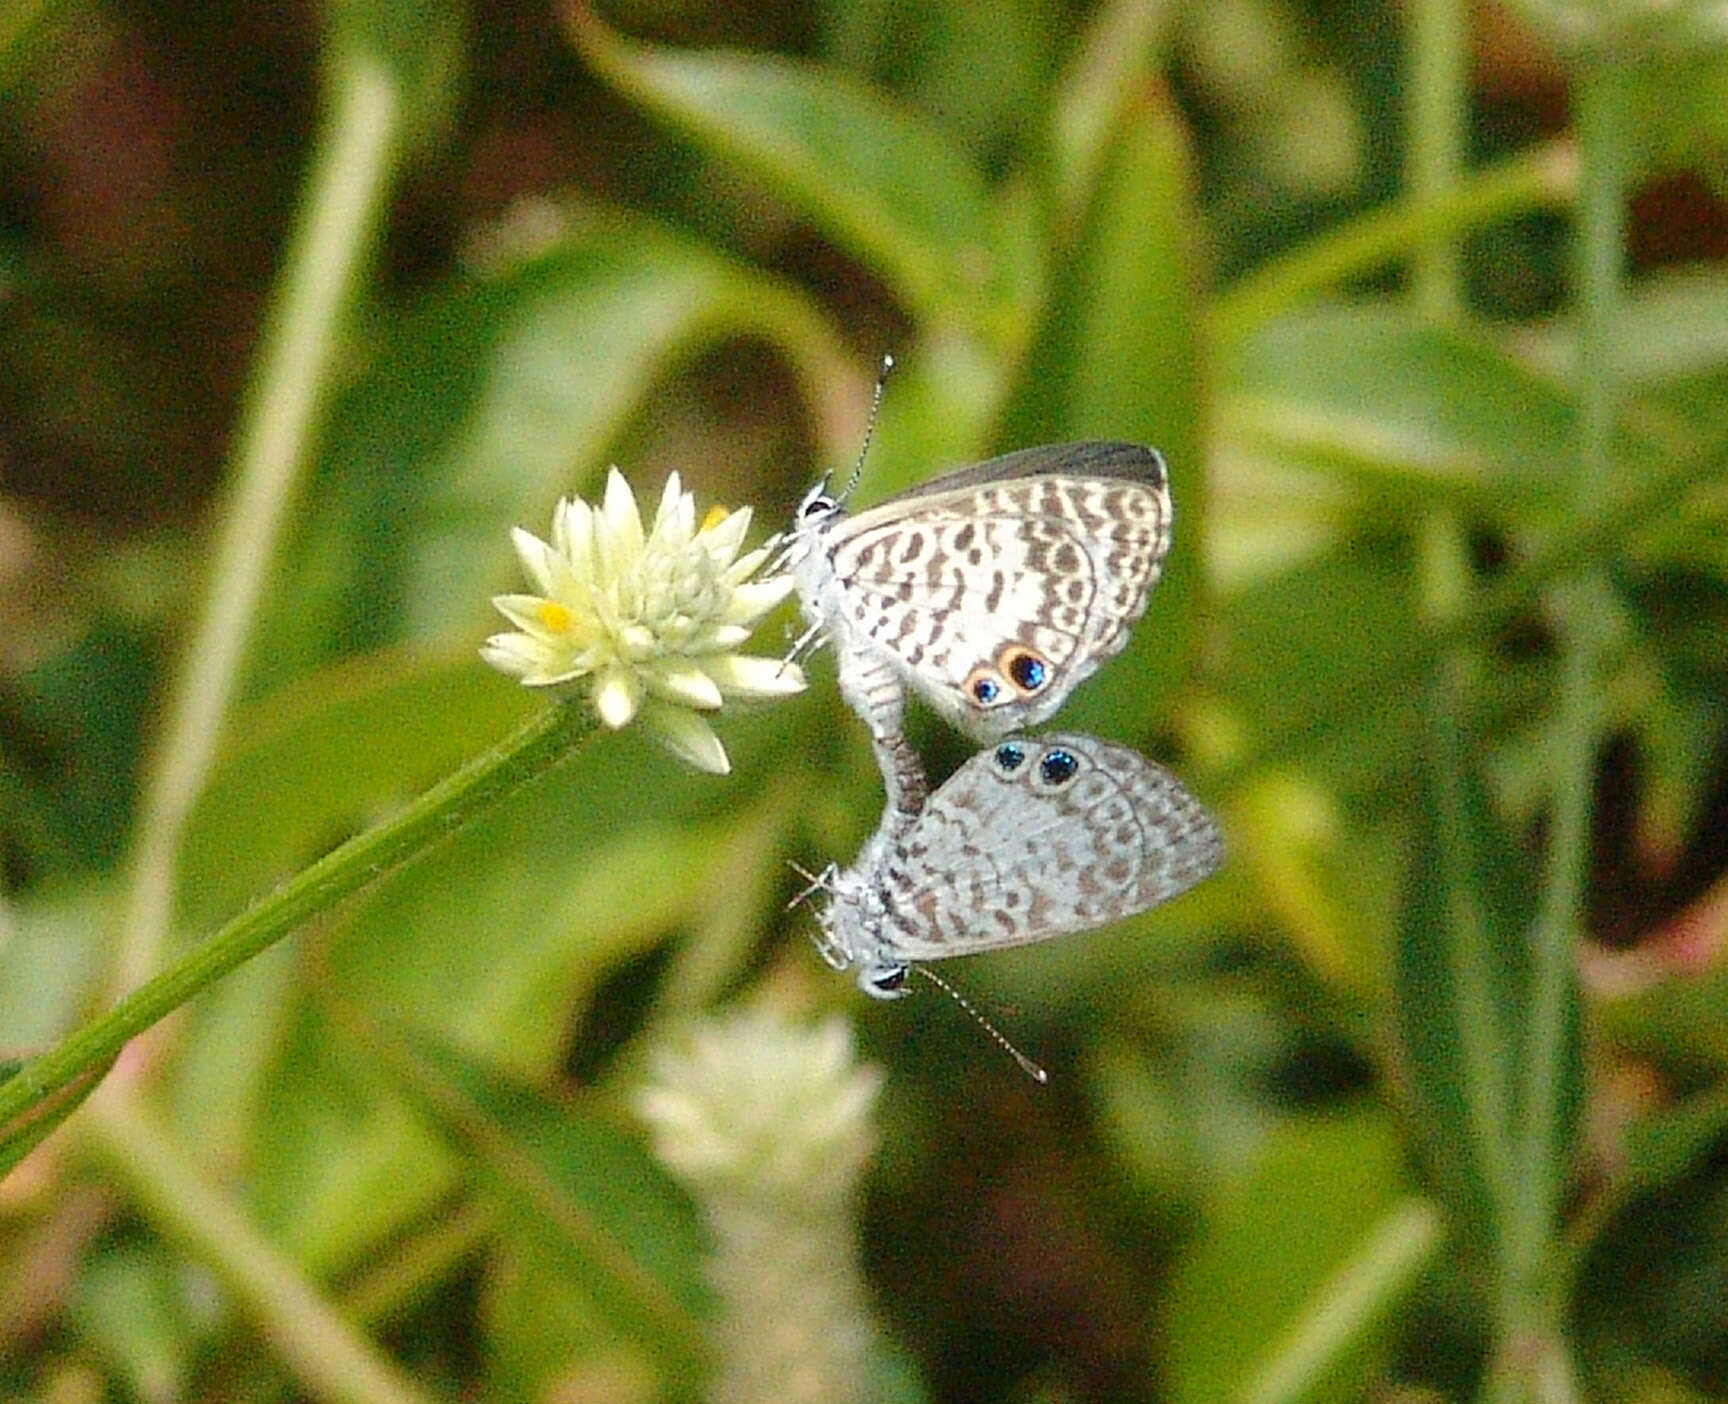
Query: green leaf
(1405, 411)
(872, 174)
(496, 942)
(1306, 653)
(1293, 1285)
(486, 403)
(322, 758)
(571, 1182)
(1116, 358)
(1463, 1000)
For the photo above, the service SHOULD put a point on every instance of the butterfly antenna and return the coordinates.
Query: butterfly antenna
(870, 424)
(1027, 1066)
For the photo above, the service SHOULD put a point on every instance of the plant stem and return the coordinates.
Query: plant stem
(1437, 122)
(479, 785)
(345, 193)
(329, 1356)
(1532, 1300)
(1531, 180)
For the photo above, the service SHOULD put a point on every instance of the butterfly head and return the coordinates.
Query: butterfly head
(882, 977)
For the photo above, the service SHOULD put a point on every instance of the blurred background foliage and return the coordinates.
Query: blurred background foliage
(301, 309)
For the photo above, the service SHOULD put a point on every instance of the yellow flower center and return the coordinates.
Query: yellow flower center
(716, 515)
(556, 617)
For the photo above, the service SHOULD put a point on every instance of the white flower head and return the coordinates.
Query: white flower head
(648, 621)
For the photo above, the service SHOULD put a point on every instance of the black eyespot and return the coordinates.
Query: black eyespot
(1058, 767)
(1010, 756)
(1028, 670)
(986, 690)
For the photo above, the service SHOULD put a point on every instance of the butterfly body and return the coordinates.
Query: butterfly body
(1032, 839)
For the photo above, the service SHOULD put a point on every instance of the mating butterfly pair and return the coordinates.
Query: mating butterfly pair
(992, 592)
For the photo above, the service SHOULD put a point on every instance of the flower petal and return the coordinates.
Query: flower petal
(620, 529)
(687, 736)
(723, 539)
(751, 600)
(617, 696)
(535, 556)
(748, 676)
(686, 684)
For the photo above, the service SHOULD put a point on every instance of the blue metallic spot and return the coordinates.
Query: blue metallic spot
(1058, 767)
(985, 690)
(1029, 671)
(1010, 756)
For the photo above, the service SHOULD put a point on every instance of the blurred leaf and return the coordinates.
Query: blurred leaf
(1116, 358)
(495, 942)
(1676, 114)
(1307, 654)
(50, 964)
(1271, 1249)
(870, 173)
(484, 405)
(1120, 54)
(423, 47)
(131, 1302)
(1674, 325)
(1404, 409)
(583, 1192)
(980, 71)
(70, 732)
(1463, 999)
(338, 1163)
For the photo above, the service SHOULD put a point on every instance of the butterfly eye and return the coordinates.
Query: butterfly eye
(884, 981)
(1058, 767)
(1010, 757)
(818, 504)
(1025, 669)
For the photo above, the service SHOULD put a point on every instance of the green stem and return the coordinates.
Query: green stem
(1600, 100)
(477, 787)
(344, 196)
(1438, 120)
(330, 1358)
(1532, 180)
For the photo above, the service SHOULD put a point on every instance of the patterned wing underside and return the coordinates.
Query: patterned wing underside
(945, 581)
(1005, 859)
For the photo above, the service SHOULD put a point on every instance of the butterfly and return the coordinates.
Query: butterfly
(992, 592)
(1032, 839)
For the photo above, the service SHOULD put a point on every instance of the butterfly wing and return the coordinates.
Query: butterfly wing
(1073, 834)
(995, 590)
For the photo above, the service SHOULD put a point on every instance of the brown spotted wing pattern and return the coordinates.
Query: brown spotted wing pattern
(993, 591)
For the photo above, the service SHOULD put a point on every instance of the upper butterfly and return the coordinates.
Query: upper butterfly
(992, 591)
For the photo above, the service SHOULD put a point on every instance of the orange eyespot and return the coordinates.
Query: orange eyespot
(1027, 670)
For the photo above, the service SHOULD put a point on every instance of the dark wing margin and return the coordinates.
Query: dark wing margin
(1093, 458)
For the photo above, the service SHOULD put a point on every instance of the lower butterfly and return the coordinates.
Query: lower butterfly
(1032, 839)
